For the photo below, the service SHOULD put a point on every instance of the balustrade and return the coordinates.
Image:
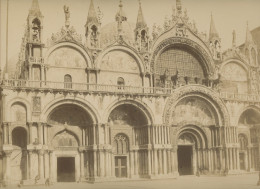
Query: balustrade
(81, 87)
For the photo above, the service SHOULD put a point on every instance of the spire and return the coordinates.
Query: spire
(212, 32)
(120, 17)
(140, 23)
(249, 38)
(234, 39)
(92, 16)
(35, 8)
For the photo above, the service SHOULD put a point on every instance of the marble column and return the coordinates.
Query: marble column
(95, 162)
(164, 162)
(5, 125)
(30, 125)
(40, 164)
(160, 162)
(81, 152)
(40, 135)
(136, 162)
(149, 161)
(231, 158)
(46, 165)
(249, 158)
(51, 170)
(7, 175)
(155, 162)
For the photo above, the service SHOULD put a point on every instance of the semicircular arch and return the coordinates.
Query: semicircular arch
(86, 106)
(74, 46)
(201, 92)
(129, 51)
(201, 52)
(22, 102)
(139, 105)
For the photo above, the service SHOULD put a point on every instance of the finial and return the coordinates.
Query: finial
(67, 16)
(179, 7)
(120, 17)
(234, 39)
(173, 11)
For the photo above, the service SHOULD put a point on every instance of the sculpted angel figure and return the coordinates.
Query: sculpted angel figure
(67, 14)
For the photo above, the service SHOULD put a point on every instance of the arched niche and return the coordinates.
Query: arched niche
(249, 117)
(193, 110)
(243, 142)
(18, 112)
(69, 114)
(19, 137)
(127, 115)
(234, 78)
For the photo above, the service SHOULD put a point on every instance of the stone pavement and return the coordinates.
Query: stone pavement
(247, 181)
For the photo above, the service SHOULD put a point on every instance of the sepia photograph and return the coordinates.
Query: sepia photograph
(140, 94)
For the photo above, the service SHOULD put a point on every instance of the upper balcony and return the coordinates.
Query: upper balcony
(112, 89)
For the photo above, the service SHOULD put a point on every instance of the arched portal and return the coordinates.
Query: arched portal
(129, 129)
(71, 128)
(192, 151)
(248, 127)
(19, 154)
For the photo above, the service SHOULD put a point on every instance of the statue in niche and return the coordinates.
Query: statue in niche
(36, 30)
(144, 40)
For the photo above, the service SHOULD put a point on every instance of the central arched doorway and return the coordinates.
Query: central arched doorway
(185, 154)
(192, 149)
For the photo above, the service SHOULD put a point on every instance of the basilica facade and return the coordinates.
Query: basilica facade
(120, 103)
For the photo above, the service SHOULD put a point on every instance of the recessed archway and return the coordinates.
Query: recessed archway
(192, 155)
(248, 127)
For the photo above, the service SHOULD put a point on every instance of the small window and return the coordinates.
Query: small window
(67, 81)
(120, 83)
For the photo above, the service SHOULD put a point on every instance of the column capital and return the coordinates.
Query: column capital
(8, 153)
(30, 124)
(41, 152)
(5, 124)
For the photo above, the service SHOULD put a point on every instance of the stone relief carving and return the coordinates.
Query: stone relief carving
(195, 90)
(119, 61)
(234, 72)
(193, 110)
(65, 34)
(65, 139)
(181, 31)
(67, 57)
(36, 101)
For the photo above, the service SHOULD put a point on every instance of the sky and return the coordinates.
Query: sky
(228, 15)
